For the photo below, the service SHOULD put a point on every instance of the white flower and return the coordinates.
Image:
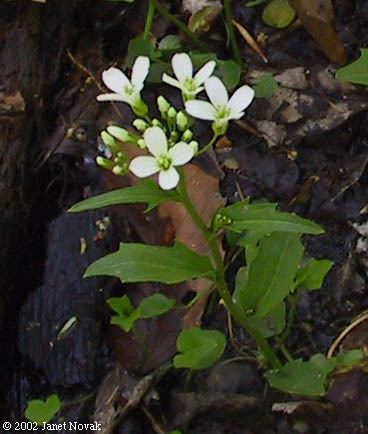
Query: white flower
(163, 160)
(183, 69)
(221, 109)
(125, 90)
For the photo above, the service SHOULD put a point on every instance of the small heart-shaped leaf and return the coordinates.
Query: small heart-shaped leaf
(43, 411)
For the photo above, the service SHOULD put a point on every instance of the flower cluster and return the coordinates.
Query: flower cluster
(169, 140)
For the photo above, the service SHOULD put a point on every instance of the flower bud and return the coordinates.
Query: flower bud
(122, 134)
(104, 162)
(120, 170)
(182, 121)
(156, 123)
(141, 143)
(172, 113)
(194, 145)
(187, 136)
(140, 107)
(140, 124)
(109, 141)
(163, 105)
(119, 133)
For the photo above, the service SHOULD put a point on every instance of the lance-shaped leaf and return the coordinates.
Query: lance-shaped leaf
(146, 191)
(356, 72)
(271, 274)
(264, 218)
(313, 274)
(144, 263)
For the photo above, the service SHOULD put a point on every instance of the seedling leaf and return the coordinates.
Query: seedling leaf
(40, 411)
(155, 305)
(199, 348)
(265, 86)
(300, 377)
(278, 13)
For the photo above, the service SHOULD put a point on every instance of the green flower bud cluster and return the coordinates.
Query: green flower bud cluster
(114, 159)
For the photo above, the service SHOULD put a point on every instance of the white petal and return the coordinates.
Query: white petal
(235, 115)
(170, 80)
(181, 153)
(111, 97)
(205, 72)
(168, 179)
(216, 91)
(241, 99)
(143, 166)
(201, 110)
(182, 66)
(156, 141)
(115, 80)
(140, 71)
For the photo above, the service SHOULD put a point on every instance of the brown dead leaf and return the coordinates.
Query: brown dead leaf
(317, 16)
(12, 104)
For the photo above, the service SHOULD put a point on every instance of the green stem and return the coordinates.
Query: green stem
(235, 310)
(180, 25)
(285, 351)
(149, 20)
(230, 26)
(207, 147)
(294, 302)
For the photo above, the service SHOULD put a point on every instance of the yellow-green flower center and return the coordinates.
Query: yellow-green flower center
(164, 162)
(223, 112)
(190, 85)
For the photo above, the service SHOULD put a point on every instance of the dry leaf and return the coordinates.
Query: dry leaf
(317, 16)
(194, 6)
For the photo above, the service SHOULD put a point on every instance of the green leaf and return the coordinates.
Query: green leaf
(127, 315)
(143, 47)
(144, 263)
(230, 71)
(146, 191)
(199, 59)
(126, 323)
(304, 378)
(274, 323)
(170, 43)
(42, 411)
(356, 72)
(312, 275)
(120, 305)
(200, 349)
(272, 273)
(278, 13)
(155, 305)
(265, 86)
(263, 218)
(155, 74)
(349, 359)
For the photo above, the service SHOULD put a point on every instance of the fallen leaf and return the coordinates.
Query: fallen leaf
(317, 16)
(194, 6)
